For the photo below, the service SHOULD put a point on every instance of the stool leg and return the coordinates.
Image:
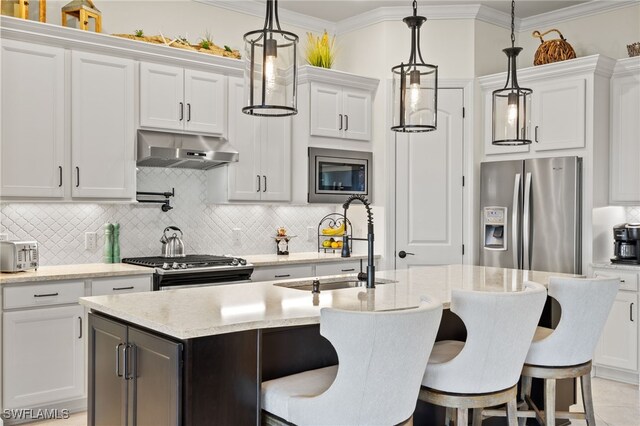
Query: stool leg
(525, 387)
(448, 416)
(587, 399)
(462, 417)
(477, 417)
(512, 410)
(550, 402)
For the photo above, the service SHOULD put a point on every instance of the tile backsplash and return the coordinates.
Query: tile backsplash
(60, 228)
(633, 214)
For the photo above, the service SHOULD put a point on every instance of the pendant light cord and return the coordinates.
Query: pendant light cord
(415, 8)
(271, 15)
(513, 16)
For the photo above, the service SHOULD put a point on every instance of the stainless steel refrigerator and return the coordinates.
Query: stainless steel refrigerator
(530, 214)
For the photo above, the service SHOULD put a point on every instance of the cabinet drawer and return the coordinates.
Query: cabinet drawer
(53, 293)
(269, 273)
(119, 285)
(337, 268)
(628, 280)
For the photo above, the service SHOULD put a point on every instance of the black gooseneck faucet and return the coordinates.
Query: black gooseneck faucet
(371, 269)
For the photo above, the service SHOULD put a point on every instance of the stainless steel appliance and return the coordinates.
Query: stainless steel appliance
(531, 214)
(194, 270)
(17, 256)
(335, 174)
(626, 244)
(172, 246)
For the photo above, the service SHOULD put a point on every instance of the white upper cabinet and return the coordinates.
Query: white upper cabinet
(33, 120)
(340, 112)
(558, 116)
(103, 133)
(625, 128)
(276, 158)
(173, 98)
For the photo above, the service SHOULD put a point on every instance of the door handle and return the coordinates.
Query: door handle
(258, 183)
(60, 176)
(80, 336)
(45, 295)
(515, 223)
(348, 270)
(77, 176)
(188, 112)
(402, 254)
(526, 224)
(631, 312)
(118, 359)
(282, 276)
(536, 134)
(122, 288)
(265, 183)
(181, 111)
(346, 122)
(340, 115)
(127, 375)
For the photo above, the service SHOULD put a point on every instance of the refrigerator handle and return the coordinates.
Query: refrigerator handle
(526, 224)
(515, 226)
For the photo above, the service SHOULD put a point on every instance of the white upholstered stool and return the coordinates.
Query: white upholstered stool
(382, 357)
(566, 351)
(484, 370)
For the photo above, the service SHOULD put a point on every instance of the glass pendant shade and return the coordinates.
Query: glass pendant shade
(271, 74)
(415, 86)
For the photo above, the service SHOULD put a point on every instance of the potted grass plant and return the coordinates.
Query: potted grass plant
(320, 50)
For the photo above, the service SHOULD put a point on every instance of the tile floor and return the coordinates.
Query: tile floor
(616, 404)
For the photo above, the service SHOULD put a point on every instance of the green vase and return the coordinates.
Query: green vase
(116, 243)
(107, 252)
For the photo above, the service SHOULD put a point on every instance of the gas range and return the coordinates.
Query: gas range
(194, 270)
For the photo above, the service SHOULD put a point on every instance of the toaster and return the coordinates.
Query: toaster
(16, 256)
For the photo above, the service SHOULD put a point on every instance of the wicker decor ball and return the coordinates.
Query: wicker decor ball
(555, 50)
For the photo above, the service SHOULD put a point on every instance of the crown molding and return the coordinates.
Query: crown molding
(593, 7)
(308, 73)
(627, 66)
(255, 8)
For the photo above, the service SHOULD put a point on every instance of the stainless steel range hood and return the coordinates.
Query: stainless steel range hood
(177, 150)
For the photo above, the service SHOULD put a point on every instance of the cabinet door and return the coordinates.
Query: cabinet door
(205, 95)
(33, 120)
(625, 149)
(619, 340)
(244, 178)
(161, 96)
(558, 116)
(357, 114)
(269, 273)
(103, 134)
(276, 158)
(326, 111)
(43, 356)
(107, 387)
(156, 388)
(489, 147)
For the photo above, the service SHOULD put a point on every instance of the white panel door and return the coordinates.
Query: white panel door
(429, 189)
(244, 178)
(489, 147)
(618, 345)
(276, 158)
(559, 114)
(33, 120)
(205, 96)
(43, 356)
(103, 134)
(162, 96)
(625, 149)
(326, 111)
(357, 114)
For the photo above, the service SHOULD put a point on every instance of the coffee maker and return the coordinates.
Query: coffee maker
(626, 245)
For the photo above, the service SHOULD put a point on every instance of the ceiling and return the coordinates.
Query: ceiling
(334, 11)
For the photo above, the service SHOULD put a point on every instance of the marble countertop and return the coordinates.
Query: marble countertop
(259, 260)
(68, 272)
(609, 265)
(206, 311)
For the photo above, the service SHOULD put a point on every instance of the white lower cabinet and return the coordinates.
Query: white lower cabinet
(43, 356)
(338, 268)
(120, 285)
(270, 273)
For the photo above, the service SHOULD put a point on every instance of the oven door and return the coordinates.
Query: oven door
(175, 287)
(200, 279)
(336, 174)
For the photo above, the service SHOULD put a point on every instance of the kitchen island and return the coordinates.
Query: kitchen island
(197, 356)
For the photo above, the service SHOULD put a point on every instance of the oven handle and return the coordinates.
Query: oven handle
(176, 287)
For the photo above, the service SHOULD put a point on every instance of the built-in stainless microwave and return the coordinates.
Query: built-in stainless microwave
(334, 174)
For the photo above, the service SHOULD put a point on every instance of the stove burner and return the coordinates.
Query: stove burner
(193, 261)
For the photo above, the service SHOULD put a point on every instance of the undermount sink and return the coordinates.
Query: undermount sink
(307, 285)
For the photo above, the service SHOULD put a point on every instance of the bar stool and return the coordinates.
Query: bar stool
(484, 370)
(382, 357)
(567, 351)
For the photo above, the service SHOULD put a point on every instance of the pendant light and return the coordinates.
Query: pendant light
(511, 104)
(271, 73)
(415, 86)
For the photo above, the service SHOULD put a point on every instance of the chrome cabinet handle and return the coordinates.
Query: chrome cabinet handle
(122, 288)
(181, 111)
(340, 115)
(189, 112)
(631, 312)
(258, 183)
(77, 176)
(128, 346)
(118, 359)
(265, 183)
(45, 295)
(536, 134)
(80, 336)
(60, 176)
(282, 276)
(346, 122)
(402, 254)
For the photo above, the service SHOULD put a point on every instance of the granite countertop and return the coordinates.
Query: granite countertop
(206, 311)
(68, 272)
(609, 265)
(293, 258)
